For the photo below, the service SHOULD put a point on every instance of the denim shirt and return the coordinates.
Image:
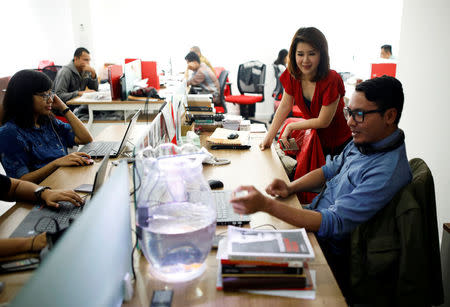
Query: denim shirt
(363, 185)
(24, 150)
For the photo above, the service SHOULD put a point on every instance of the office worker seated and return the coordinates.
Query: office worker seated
(33, 143)
(316, 89)
(203, 59)
(13, 189)
(72, 80)
(202, 77)
(360, 181)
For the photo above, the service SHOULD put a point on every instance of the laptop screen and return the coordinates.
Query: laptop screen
(88, 265)
(128, 132)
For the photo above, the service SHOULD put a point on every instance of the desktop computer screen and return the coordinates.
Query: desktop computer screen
(88, 264)
(133, 73)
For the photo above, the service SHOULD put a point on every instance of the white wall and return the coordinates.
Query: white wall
(32, 31)
(423, 68)
(228, 32)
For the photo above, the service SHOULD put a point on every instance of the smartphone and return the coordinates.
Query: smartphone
(84, 188)
(292, 145)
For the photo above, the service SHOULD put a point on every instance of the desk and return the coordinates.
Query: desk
(117, 105)
(247, 167)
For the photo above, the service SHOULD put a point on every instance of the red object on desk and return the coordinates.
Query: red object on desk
(149, 71)
(380, 69)
(114, 74)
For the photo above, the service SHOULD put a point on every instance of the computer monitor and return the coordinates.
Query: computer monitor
(88, 264)
(133, 74)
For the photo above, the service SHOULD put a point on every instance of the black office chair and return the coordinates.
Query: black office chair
(250, 80)
(278, 90)
(51, 71)
(223, 83)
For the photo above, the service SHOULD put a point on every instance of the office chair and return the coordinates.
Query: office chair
(395, 259)
(223, 77)
(250, 80)
(51, 71)
(278, 94)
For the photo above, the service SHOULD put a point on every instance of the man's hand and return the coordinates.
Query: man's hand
(253, 202)
(91, 70)
(74, 159)
(52, 197)
(278, 188)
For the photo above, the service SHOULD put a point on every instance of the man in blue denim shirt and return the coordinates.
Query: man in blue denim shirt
(372, 168)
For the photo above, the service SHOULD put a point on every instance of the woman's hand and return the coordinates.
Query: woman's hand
(58, 104)
(284, 137)
(278, 188)
(52, 197)
(265, 143)
(74, 159)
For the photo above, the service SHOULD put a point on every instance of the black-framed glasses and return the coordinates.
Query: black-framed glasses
(358, 115)
(46, 96)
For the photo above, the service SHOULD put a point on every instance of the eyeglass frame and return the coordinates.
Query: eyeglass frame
(361, 113)
(46, 97)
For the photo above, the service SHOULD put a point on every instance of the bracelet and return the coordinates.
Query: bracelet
(65, 111)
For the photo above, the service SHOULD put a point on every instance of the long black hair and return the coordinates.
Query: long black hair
(18, 101)
(281, 56)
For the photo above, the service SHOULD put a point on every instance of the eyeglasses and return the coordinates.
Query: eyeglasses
(46, 96)
(358, 115)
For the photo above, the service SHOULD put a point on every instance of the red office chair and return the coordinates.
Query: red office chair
(250, 80)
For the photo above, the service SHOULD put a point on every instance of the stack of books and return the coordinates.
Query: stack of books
(273, 262)
(200, 109)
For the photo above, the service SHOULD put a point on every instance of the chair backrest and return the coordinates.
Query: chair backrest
(395, 255)
(223, 82)
(51, 71)
(278, 91)
(251, 78)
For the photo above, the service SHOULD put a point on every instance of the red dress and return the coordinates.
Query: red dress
(326, 92)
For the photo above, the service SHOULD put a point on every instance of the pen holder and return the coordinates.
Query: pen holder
(175, 213)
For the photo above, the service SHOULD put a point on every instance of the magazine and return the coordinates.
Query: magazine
(273, 245)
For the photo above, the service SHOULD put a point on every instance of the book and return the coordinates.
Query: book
(238, 283)
(199, 108)
(260, 270)
(269, 245)
(293, 264)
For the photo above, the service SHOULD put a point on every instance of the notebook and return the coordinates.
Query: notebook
(99, 149)
(39, 219)
(225, 212)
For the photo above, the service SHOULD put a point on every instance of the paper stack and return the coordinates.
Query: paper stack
(231, 122)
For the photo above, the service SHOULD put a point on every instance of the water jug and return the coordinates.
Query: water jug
(175, 211)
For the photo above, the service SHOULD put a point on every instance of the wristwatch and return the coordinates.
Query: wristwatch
(38, 193)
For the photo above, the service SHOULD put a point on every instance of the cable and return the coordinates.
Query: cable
(63, 148)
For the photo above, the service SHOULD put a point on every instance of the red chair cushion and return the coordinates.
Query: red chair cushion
(219, 110)
(243, 99)
(62, 118)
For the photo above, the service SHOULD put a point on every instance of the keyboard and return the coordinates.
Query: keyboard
(225, 212)
(43, 219)
(100, 149)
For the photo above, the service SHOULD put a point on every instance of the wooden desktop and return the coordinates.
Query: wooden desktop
(247, 167)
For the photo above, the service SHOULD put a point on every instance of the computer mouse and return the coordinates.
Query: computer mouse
(215, 184)
(89, 161)
(233, 136)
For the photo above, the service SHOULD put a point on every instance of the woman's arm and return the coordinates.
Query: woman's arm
(73, 159)
(82, 135)
(282, 112)
(325, 118)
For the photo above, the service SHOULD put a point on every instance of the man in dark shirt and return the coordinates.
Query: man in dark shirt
(72, 80)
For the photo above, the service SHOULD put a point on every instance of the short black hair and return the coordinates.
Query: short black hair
(387, 48)
(192, 56)
(18, 101)
(386, 92)
(80, 51)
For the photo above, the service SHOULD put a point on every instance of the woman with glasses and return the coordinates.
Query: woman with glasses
(33, 143)
(316, 89)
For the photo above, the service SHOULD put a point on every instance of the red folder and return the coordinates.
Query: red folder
(114, 74)
(149, 71)
(380, 69)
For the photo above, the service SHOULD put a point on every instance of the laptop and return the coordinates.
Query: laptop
(41, 219)
(99, 149)
(225, 212)
(90, 264)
